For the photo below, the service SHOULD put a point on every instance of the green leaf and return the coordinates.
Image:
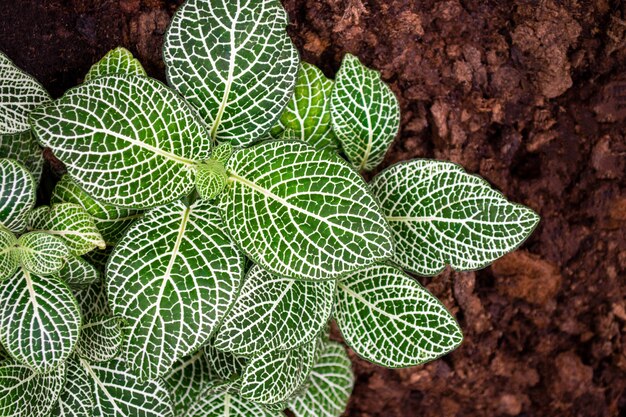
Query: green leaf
(441, 215)
(225, 365)
(274, 377)
(302, 213)
(17, 195)
(24, 149)
(219, 401)
(389, 319)
(307, 116)
(118, 393)
(39, 320)
(117, 61)
(41, 253)
(93, 302)
(274, 313)
(19, 95)
(172, 279)
(78, 273)
(187, 379)
(126, 140)
(98, 258)
(9, 261)
(365, 112)
(23, 393)
(71, 223)
(210, 179)
(100, 339)
(111, 221)
(234, 62)
(329, 386)
(76, 398)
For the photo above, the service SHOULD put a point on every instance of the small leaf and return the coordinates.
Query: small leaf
(274, 313)
(19, 95)
(210, 179)
(172, 279)
(389, 319)
(9, 261)
(111, 221)
(93, 302)
(78, 273)
(23, 148)
(307, 116)
(76, 398)
(134, 142)
(366, 114)
(441, 215)
(100, 339)
(39, 320)
(23, 393)
(219, 401)
(234, 62)
(187, 379)
(225, 365)
(117, 61)
(71, 223)
(222, 153)
(329, 386)
(41, 253)
(302, 213)
(17, 194)
(273, 377)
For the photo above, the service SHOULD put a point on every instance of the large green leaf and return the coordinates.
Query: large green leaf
(441, 215)
(187, 379)
(302, 213)
(329, 386)
(117, 61)
(234, 61)
(112, 221)
(9, 260)
(172, 278)
(24, 393)
(19, 95)
(118, 393)
(307, 116)
(24, 149)
(76, 398)
(219, 401)
(78, 273)
(39, 320)
(126, 140)
(70, 222)
(100, 339)
(388, 318)
(41, 253)
(365, 112)
(17, 195)
(274, 313)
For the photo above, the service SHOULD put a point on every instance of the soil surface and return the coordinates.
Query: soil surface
(531, 95)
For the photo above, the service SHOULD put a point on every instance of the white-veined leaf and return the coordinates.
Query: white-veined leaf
(111, 221)
(71, 223)
(41, 253)
(187, 379)
(100, 339)
(24, 393)
(210, 179)
(39, 320)
(118, 393)
(274, 377)
(441, 215)
(98, 258)
(307, 116)
(93, 301)
(19, 95)
(219, 401)
(23, 148)
(225, 365)
(126, 140)
(76, 397)
(172, 278)
(387, 318)
(233, 61)
(9, 260)
(274, 313)
(329, 386)
(78, 273)
(17, 195)
(116, 61)
(365, 112)
(302, 213)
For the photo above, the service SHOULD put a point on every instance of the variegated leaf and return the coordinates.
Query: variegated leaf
(78, 273)
(233, 61)
(302, 213)
(225, 365)
(389, 319)
(100, 339)
(365, 113)
(117, 61)
(440, 215)
(23, 148)
(76, 398)
(274, 313)
(187, 379)
(93, 302)
(126, 140)
(172, 278)
(9, 260)
(17, 195)
(219, 401)
(41, 253)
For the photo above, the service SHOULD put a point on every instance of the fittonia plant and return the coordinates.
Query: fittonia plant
(236, 225)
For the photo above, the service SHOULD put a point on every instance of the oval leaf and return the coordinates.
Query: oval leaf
(234, 62)
(134, 142)
(17, 195)
(76, 398)
(187, 379)
(100, 339)
(302, 213)
(441, 215)
(225, 365)
(23, 148)
(274, 313)
(219, 401)
(172, 278)
(78, 273)
(366, 114)
(389, 319)
(117, 61)
(9, 260)
(42, 253)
